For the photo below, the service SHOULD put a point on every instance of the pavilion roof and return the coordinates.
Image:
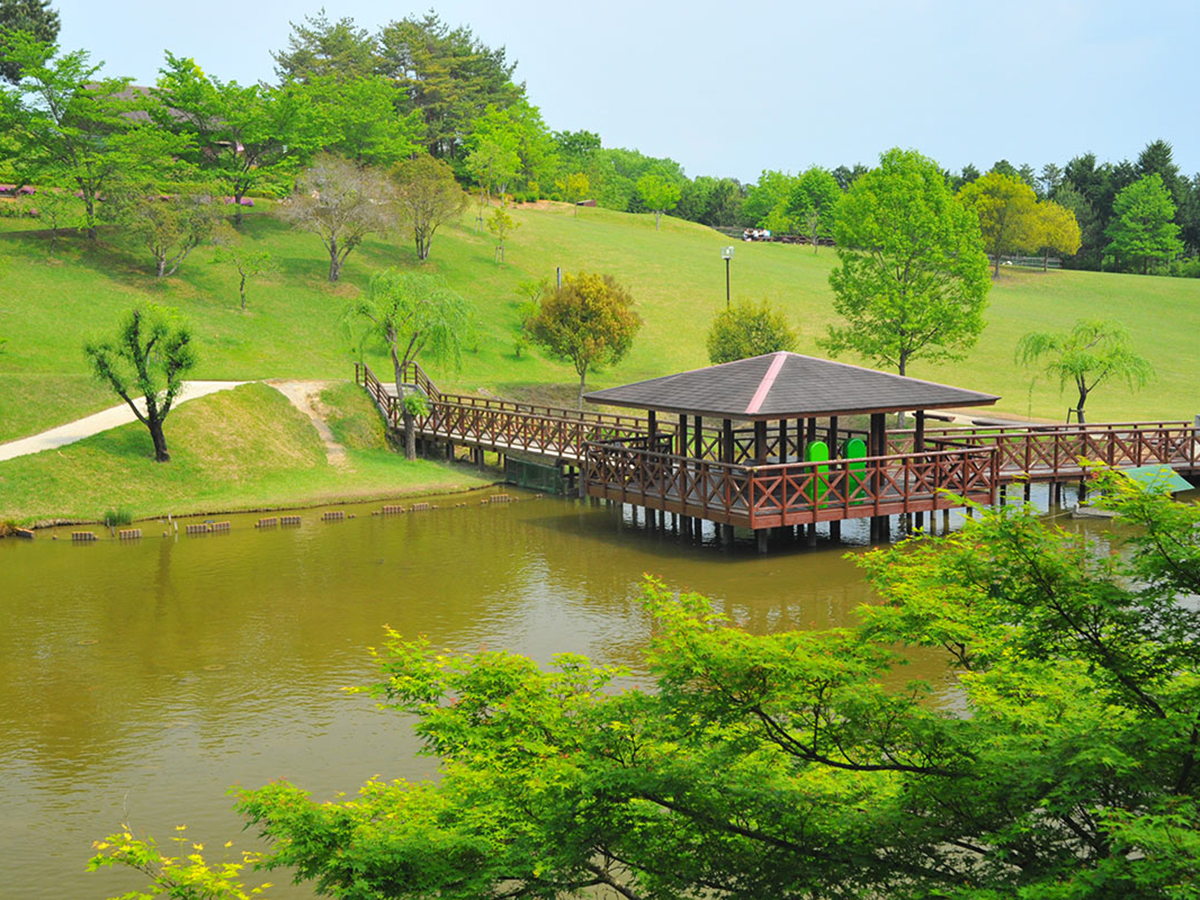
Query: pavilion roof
(786, 386)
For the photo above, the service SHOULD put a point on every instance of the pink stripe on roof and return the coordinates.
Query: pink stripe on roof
(764, 386)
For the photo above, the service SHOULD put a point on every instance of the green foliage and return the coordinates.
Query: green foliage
(769, 194)
(574, 188)
(1056, 759)
(748, 329)
(1092, 352)
(247, 262)
(812, 203)
(65, 125)
(589, 321)
(501, 225)
(245, 137)
(1142, 227)
(416, 404)
(319, 48)
(185, 877)
(658, 194)
(912, 281)
(150, 356)
(56, 210)
(531, 292)
(356, 118)
(1007, 210)
(1055, 228)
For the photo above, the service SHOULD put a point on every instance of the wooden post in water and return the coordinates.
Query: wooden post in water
(878, 447)
(835, 525)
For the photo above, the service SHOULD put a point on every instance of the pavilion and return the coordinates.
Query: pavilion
(769, 442)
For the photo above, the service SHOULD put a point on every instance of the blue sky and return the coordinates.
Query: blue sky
(731, 89)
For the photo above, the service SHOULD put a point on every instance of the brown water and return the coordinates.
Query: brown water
(139, 681)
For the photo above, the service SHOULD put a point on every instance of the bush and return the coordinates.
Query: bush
(1185, 268)
(748, 329)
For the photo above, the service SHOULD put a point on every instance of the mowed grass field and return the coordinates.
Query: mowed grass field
(293, 327)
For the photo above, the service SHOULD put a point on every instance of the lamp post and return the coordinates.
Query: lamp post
(727, 255)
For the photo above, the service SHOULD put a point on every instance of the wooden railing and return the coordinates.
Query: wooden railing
(791, 493)
(498, 424)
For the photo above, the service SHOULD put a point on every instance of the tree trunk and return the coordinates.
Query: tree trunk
(996, 269)
(657, 216)
(242, 291)
(335, 265)
(162, 266)
(53, 240)
(237, 214)
(90, 205)
(582, 386)
(410, 436)
(1046, 260)
(154, 423)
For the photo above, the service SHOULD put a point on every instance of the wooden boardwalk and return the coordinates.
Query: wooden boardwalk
(619, 460)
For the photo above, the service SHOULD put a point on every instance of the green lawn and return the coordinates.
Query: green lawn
(248, 448)
(48, 307)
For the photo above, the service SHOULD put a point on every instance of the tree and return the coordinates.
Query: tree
(1142, 225)
(410, 313)
(1050, 179)
(574, 188)
(247, 262)
(318, 48)
(812, 203)
(493, 164)
(501, 224)
(589, 321)
(1092, 352)
(340, 202)
(748, 329)
(531, 292)
(427, 197)
(1055, 228)
(149, 357)
(446, 74)
(67, 125)
(659, 195)
(244, 136)
(769, 193)
(1007, 209)
(912, 279)
(56, 209)
(34, 17)
(1056, 759)
(172, 226)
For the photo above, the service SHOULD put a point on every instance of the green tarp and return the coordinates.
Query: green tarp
(1158, 477)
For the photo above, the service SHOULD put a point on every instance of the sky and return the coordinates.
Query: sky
(736, 88)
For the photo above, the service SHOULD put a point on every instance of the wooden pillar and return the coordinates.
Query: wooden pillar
(919, 447)
(812, 430)
(1028, 491)
(878, 447)
(783, 439)
(685, 522)
(727, 457)
(833, 437)
(761, 536)
(652, 426)
(760, 443)
(698, 425)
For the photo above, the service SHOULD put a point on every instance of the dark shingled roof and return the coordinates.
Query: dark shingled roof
(786, 386)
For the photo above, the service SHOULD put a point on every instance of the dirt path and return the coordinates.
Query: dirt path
(113, 417)
(306, 397)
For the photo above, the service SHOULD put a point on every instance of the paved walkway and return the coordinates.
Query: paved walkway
(102, 421)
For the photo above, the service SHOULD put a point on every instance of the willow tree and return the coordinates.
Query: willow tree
(410, 314)
(1092, 352)
(149, 357)
(912, 279)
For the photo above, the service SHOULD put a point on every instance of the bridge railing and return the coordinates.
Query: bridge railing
(790, 493)
(1058, 450)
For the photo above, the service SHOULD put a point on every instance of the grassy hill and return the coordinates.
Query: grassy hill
(291, 330)
(247, 448)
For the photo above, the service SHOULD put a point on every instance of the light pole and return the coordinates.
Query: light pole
(727, 255)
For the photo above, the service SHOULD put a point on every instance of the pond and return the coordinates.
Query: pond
(140, 680)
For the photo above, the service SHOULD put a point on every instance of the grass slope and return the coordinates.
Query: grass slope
(48, 307)
(247, 448)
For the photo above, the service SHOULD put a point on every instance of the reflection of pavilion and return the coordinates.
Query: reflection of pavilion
(781, 455)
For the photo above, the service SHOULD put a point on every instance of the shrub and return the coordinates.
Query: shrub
(748, 329)
(119, 516)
